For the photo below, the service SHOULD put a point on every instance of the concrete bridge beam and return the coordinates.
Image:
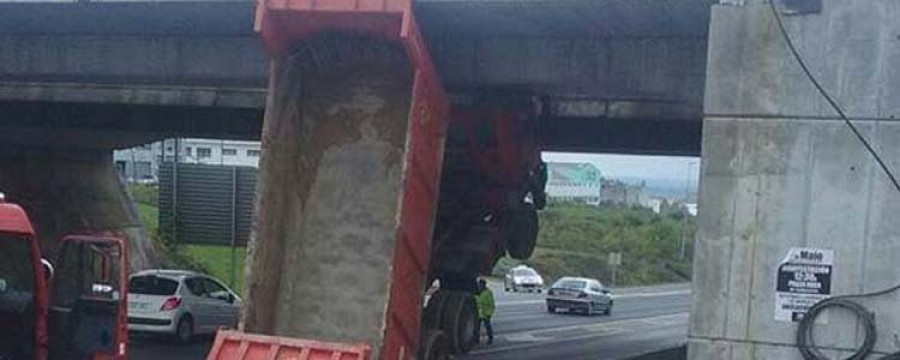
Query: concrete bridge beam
(68, 191)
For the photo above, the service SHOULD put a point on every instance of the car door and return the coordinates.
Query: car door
(223, 302)
(201, 307)
(602, 295)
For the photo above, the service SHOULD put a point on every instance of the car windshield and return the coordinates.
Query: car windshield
(16, 268)
(152, 285)
(524, 272)
(571, 284)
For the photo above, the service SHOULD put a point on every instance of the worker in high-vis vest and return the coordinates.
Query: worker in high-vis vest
(485, 300)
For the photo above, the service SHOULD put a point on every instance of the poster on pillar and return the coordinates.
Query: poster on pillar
(803, 279)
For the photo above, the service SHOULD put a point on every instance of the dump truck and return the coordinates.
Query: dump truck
(359, 208)
(73, 308)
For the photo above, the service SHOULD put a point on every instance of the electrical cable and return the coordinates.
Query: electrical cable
(805, 341)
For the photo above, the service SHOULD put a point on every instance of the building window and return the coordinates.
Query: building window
(143, 170)
(121, 167)
(253, 153)
(229, 152)
(203, 153)
(187, 150)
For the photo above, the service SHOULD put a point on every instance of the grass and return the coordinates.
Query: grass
(575, 240)
(149, 215)
(216, 260)
(212, 259)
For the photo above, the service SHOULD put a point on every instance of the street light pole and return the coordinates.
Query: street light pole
(684, 212)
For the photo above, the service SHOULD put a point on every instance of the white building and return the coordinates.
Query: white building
(141, 163)
(217, 152)
(578, 182)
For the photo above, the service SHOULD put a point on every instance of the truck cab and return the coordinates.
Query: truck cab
(23, 288)
(85, 314)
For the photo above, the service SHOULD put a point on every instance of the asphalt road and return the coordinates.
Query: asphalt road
(643, 320)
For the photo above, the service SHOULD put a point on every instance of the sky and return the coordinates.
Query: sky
(669, 168)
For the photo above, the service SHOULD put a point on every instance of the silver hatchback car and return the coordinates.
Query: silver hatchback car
(579, 294)
(523, 278)
(180, 304)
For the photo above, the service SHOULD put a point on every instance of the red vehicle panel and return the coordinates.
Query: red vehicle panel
(88, 313)
(233, 345)
(23, 299)
(98, 303)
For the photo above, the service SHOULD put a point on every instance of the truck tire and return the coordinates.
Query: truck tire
(521, 232)
(431, 316)
(435, 346)
(458, 320)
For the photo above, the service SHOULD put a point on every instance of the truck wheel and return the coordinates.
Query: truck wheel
(521, 232)
(435, 346)
(458, 320)
(431, 317)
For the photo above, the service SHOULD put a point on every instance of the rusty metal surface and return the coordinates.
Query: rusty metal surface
(331, 177)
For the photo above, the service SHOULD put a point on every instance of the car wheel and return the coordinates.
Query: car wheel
(608, 310)
(589, 311)
(539, 290)
(551, 309)
(435, 346)
(184, 332)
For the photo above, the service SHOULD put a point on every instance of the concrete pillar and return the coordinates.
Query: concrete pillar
(331, 174)
(72, 190)
(780, 170)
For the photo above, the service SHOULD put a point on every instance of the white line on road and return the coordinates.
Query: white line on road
(615, 297)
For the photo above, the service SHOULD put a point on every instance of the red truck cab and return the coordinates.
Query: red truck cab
(88, 301)
(85, 314)
(23, 288)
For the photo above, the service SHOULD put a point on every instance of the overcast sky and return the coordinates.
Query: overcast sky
(645, 167)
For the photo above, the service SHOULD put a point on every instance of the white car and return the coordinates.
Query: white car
(523, 278)
(180, 304)
(579, 294)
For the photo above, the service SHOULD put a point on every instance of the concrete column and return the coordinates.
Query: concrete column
(781, 170)
(72, 190)
(334, 144)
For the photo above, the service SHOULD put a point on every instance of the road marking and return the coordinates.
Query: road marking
(528, 339)
(615, 297)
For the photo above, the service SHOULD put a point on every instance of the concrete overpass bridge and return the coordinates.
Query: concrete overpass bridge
(152, 69)
(627, 76)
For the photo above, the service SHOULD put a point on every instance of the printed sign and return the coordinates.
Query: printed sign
(804, 278)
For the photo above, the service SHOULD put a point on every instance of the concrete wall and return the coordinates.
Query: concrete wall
(334, 141)
(780, 170)
(67, 191)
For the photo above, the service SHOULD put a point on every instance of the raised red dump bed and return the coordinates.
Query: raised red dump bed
(233, 345)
